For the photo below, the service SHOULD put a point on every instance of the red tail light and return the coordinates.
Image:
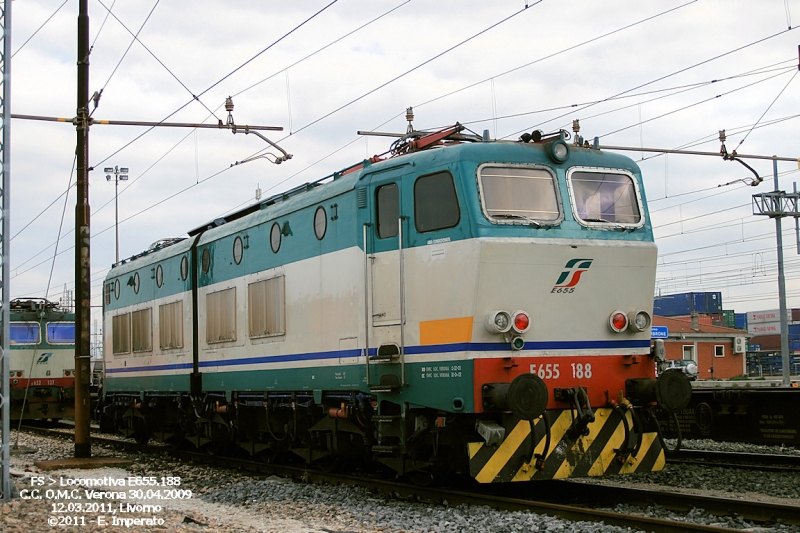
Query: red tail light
(521, 322)
(618, 321)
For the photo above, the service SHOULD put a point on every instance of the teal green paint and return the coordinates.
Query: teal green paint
(346, 230)
(434, 392)
(174, 383)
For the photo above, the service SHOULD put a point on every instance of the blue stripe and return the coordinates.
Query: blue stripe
(177, 366)
(411, 350)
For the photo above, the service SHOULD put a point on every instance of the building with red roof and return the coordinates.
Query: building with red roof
(718, 351)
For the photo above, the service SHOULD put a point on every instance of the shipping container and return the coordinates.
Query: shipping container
(768, 328)
(673, 305)
(713, 302)
(764, 317)
(766, 342)
(740, 320)
(728, 319)
(687, 303)
(699, 302)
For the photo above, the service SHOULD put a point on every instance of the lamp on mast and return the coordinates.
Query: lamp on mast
(119, 174)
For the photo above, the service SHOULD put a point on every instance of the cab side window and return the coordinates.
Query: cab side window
(435, 202)
(388, 206)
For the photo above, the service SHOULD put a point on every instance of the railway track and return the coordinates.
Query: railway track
(547, 497)
(739, 460)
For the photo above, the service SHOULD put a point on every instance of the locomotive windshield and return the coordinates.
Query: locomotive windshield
(604, 197)
(24, 333)
(515, 193)
(61, 333)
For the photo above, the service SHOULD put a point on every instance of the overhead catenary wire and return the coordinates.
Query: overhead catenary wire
(39, 28)
(97, 95)
(281, 38)
(240, 92)
(673, 91)
(666, 76)
(550, 56)
(766, 110)
(409, 71)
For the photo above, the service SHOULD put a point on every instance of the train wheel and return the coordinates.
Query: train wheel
(141, 438)
(422, 478)
(328, 464)
(107, 424)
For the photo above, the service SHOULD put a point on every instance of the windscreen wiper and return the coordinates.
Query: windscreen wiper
(518, 217)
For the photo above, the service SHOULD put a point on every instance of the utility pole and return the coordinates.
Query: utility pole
(6, 485)
(83, 446)
(778, 204)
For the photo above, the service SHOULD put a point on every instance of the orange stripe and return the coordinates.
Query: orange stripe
(445, 331)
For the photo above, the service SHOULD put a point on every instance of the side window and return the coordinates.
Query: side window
(605, 197)
(142, 330)
(121, 333)
(221, 316)
(688, 351)
(170, 325)
(388, 200)
(265, 308)
(435, 202)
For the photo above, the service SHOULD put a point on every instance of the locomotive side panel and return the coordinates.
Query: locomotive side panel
(148, 323)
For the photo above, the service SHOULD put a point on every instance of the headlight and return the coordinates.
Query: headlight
(639, 320)
(498, 321)
(558, 150)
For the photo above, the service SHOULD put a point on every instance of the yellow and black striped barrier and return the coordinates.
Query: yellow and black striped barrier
(602, 451)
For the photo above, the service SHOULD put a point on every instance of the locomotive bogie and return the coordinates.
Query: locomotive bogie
(415, 312)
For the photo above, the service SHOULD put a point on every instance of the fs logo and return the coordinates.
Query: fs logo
(571, 276)
(44, 358)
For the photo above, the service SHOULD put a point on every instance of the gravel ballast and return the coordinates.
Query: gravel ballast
(229, 501)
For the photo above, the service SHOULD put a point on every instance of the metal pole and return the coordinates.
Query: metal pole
(366, 304)
(796, 223)
(402, 302)
(83, 447)
(782, 290)
(6, 484)
(116, 208)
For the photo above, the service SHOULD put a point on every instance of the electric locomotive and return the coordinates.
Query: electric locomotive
(42, 362)
(461, 305)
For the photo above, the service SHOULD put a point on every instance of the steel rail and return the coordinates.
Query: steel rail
(741, 460)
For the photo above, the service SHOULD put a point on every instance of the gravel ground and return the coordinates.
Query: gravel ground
(233, 502)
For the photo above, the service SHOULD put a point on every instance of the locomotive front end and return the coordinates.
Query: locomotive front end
(566, 382)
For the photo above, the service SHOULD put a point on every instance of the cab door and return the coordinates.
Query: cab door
(384, 258)
(386, 252)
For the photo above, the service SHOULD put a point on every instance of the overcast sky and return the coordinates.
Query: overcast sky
(635, 74)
